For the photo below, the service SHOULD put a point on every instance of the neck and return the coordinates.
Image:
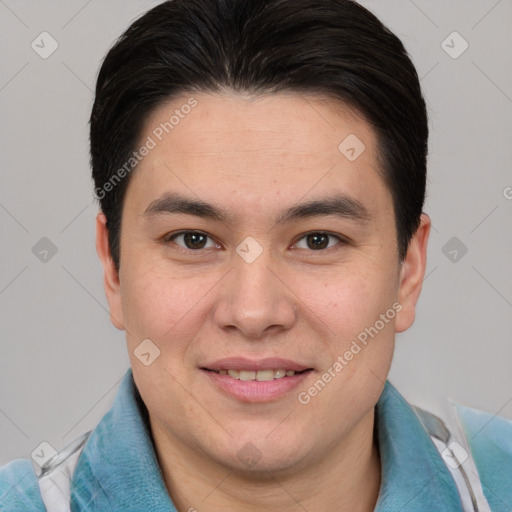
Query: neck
(346, 478)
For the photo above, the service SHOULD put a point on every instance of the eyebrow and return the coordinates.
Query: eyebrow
(339, 205)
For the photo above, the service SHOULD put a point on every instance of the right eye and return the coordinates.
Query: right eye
(191, 240)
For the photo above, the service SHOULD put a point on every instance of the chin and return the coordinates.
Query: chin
(256, 460)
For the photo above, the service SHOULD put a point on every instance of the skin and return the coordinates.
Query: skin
(256, 157)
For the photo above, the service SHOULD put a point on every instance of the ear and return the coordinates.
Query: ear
(412, 274)
(110, 275)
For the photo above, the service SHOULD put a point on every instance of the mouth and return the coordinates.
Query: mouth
(260, 375)
(256, 381)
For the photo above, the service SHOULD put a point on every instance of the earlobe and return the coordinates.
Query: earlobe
(412, 274)
(110, 274)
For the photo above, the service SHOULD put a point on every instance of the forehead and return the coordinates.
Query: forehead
(229, 122)
(260, 148)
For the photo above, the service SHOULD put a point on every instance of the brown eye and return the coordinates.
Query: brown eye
(193, 240)
(318, 241)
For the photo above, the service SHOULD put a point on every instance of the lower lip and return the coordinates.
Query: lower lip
(256, 391)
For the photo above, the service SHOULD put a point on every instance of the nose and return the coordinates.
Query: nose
(255, 299)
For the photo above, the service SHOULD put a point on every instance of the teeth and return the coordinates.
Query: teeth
(260, 375)
(246, 375)
(264, 375)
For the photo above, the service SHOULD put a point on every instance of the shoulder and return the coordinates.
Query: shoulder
(490, 440)
(488, 434)
(19, 488)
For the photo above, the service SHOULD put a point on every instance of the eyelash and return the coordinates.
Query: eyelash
(171, 237)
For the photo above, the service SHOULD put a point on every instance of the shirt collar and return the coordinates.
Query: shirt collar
(118, 468)
(414, 476)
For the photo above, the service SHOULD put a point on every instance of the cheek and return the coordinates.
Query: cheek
(160, 307)
(347, 310)
(358, 341)
(349, 300)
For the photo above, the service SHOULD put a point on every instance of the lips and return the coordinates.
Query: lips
(256, 380)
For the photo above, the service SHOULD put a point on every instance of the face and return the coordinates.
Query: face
(259, 262)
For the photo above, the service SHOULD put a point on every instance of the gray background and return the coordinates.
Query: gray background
(61, 360)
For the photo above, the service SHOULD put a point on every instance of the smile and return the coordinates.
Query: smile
(263, 380)
(260, 375)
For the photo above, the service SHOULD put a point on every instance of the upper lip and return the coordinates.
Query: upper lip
(268, 363)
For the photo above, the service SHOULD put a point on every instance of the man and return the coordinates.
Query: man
(261, 169)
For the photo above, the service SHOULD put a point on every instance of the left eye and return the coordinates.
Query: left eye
(192, 240)
(317, 241)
